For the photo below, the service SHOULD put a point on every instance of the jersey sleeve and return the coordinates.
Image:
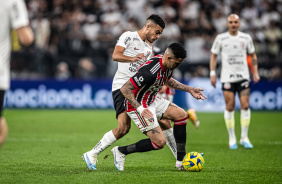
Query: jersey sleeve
(18, 14)
(142, 77)
(124, 40)
(216, 46)
(250, 45)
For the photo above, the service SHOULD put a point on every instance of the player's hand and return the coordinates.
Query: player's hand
(139, 57)
(147, 114)
(256, 78)
(196, 93)
(213, 80)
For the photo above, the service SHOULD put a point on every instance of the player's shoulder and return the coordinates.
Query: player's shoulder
(129, 33)
(244, 35)
(223, 36)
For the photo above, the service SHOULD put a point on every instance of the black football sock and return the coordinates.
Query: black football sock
(179, 132)
(143, 145)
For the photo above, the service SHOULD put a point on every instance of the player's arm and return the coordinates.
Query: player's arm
(25, 35)
(126, 90)
(255, 67)
(194, 91)
(212, 69)
(120, 57)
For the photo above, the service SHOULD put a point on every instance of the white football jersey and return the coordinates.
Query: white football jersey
(234, 51)
(13, 15)
(133, 45)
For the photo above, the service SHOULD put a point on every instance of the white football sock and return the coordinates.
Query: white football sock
(107, 140)
(230, 125)
(245, 122)
(170, 141)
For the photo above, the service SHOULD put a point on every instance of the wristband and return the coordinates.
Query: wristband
(140, 109)
(212, 73)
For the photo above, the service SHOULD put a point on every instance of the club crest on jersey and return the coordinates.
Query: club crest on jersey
(242, 45)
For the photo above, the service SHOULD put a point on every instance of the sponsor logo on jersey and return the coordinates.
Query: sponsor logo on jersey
(141, 79)
(154, 88)
(127, 40)
(235, 76)
(137, 81)
(227, 85)
(136, 39)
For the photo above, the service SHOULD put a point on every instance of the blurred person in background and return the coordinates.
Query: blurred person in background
(13, 15)
(235, 77)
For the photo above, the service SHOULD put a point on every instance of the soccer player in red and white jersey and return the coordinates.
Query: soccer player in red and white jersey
(234, 46)
(13, 15)
(145, 109)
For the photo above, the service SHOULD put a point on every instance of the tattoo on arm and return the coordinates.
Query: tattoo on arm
(254, 61)
(126, 90)
(155, 131)
(172, 105)
(177, 85)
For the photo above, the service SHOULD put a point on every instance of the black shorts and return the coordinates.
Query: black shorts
(2, 95)
(118, 99)
(236, 86)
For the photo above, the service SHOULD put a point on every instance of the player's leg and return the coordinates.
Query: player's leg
(167, 129)
(124, 124)
(245, 117)
(229, 97)
(151, 129)
(179, 117)
(3, 123)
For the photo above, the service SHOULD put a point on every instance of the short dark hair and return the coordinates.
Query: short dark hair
(157, 19)
(178, 50)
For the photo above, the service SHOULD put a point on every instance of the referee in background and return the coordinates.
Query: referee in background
(13, 15)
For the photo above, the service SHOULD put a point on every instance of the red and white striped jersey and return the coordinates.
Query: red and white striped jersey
(148, 81)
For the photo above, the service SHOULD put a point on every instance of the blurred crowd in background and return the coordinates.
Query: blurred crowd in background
(76, 38)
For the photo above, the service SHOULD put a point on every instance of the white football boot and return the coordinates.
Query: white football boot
(90, 160)
(119, 158)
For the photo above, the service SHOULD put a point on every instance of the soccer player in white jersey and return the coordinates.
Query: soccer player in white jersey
(144, 108)
(13, 15)
(234, 46)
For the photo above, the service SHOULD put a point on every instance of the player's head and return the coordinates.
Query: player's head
(174, 55)
(233, 23)
(154, 27)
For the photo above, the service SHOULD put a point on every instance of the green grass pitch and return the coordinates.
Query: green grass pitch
(45, 146)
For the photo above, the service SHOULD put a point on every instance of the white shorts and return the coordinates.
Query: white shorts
(158, 107)
(166, 96)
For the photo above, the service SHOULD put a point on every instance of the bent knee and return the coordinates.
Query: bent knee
(159, 144)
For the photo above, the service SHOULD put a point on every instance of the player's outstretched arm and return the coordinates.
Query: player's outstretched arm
(126, 90)
(194, 91)
(212, 69)
(255, 67)
(120, 57)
